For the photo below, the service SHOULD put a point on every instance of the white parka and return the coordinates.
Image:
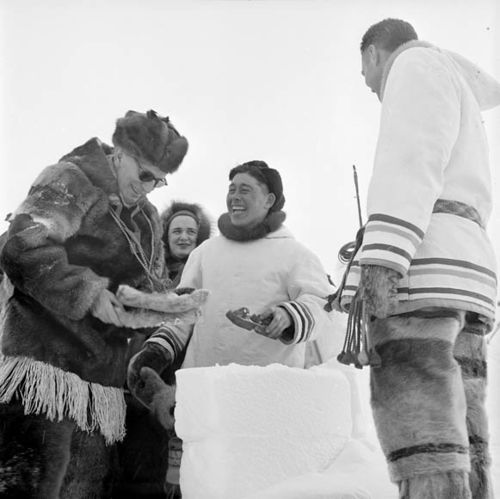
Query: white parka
(432, 146)
(275, 270)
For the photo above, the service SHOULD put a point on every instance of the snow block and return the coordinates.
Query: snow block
(245, 428)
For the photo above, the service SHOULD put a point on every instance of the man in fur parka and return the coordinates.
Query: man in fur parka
(424, 278)
(85, 227)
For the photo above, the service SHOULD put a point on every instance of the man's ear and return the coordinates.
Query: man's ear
(378, 55)
(373, 54)
(271, 199)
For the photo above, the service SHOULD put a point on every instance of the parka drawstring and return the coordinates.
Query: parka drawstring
(133, 239)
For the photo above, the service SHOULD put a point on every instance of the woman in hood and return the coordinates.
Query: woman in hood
(185, 226)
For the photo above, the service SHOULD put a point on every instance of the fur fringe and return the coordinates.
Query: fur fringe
(45, 389)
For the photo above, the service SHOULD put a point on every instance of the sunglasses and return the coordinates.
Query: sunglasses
(146, 176)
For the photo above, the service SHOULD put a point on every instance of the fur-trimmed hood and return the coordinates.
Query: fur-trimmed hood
(205, 224)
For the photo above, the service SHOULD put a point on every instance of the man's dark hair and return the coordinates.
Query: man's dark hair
(269, 177)
(388, 34)
(255, 168)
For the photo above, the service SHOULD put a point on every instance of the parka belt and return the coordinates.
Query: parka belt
(459, 209)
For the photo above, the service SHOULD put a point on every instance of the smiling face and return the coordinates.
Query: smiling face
(135, 177)
(182, 236)
(248, 201)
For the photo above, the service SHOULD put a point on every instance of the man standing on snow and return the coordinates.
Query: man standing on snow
(425, 272)
(85, 227)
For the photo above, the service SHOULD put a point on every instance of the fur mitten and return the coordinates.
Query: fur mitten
(153, 357)
(379, 290)
(161, 395)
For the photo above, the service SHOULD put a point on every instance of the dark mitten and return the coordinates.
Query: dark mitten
(183, 291)
(153, 356)
(379, 287)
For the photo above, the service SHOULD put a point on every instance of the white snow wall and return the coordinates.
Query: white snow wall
(245, 428)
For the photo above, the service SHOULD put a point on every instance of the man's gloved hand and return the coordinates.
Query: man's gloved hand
(278, 320)
(153, 357)
(162, 397)
(379, 290)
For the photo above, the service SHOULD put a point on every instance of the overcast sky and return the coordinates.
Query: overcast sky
(273, 80)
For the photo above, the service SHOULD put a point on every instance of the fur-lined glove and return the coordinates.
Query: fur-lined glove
(153, 357)
(379, 290)
(162, 397)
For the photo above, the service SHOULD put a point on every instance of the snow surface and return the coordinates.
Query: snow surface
(246, 428)
(359, 472)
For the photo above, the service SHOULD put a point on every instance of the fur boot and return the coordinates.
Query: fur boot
(162, 398)
(470, 352)
(418, 397)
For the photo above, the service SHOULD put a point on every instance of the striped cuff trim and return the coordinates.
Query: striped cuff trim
(302, 319)
(164, 343)
(387, 247)
(442, 291)
(167, 340)
(460, 264)
(398, 222)
(390, 239)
